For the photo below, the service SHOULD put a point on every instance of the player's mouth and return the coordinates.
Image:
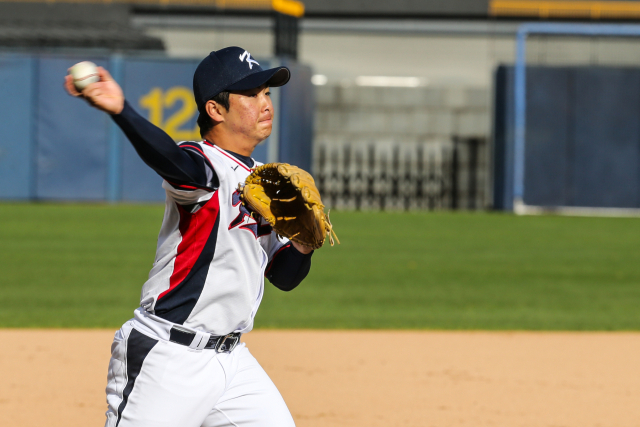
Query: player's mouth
(266, 121)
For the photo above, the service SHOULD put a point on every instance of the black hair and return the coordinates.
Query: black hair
(204, 121)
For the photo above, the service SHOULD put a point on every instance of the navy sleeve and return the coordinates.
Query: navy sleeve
(288, 268)
(158, 150)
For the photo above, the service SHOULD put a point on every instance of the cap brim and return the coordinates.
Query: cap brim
(272, 77)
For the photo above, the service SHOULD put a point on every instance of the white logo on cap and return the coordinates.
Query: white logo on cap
(246, 55)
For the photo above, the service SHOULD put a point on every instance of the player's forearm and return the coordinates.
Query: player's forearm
(289, 268)
(302, 248)
(158, 150)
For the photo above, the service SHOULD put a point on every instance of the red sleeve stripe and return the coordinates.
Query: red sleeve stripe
(197, 148)
(189, 187)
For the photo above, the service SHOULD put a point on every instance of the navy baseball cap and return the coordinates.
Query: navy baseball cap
(233, 68)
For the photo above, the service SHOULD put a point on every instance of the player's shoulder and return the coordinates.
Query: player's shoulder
(211, 155)
(196, 146)
(187, 144)
(204, 148)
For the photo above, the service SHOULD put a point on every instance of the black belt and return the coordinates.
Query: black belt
(220, 344)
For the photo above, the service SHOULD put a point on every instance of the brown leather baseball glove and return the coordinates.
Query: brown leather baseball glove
(286, 196)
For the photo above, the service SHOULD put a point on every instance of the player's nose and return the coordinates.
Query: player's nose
(266, 103)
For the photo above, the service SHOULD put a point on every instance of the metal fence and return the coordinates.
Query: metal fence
(384, 175)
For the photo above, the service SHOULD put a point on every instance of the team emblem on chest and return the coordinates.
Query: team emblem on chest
(245, 221)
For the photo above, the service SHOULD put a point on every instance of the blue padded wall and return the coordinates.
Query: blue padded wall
(16, 139)
(71, 138)
(56, 147)
(503, 137)
(296, 117)
(582, 141)
(548, 136)
(606, 138)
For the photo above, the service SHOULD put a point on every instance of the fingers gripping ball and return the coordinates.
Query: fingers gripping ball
(286, 196)
(84, 73)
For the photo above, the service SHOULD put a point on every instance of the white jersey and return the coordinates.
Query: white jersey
(211, 256)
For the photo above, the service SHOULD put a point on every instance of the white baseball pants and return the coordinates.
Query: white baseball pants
(153, 382)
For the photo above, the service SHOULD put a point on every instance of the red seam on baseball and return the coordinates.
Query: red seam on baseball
(86, 77)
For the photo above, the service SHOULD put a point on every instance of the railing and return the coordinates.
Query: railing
(392, 176)
(546, 9)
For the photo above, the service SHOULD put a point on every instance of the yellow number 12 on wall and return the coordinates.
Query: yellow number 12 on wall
(157, 100)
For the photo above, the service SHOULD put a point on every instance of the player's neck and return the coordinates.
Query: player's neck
(231, 143)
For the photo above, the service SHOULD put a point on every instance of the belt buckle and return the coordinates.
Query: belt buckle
(222, 345)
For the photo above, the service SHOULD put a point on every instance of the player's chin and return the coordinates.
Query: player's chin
(264, 129)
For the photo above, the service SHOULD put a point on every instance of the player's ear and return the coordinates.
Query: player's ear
(215, 111)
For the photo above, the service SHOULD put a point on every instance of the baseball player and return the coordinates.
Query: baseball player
(179, 362)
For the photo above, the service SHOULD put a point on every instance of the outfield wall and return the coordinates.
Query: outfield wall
(582, 137)
(53, 147)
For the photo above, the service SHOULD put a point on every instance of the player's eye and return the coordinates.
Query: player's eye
(268, 93)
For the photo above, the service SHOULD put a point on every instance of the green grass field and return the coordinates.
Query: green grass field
(83, 266)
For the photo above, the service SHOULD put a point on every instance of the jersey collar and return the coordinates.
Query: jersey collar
(245, 160)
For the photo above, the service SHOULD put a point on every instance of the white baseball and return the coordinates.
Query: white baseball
(84, 73)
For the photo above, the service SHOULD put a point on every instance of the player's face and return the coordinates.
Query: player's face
(250, 113)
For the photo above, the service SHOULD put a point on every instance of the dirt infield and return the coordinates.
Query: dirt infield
(356, 379)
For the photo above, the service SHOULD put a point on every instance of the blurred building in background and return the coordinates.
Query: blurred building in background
(404, 99)
(72, 25)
